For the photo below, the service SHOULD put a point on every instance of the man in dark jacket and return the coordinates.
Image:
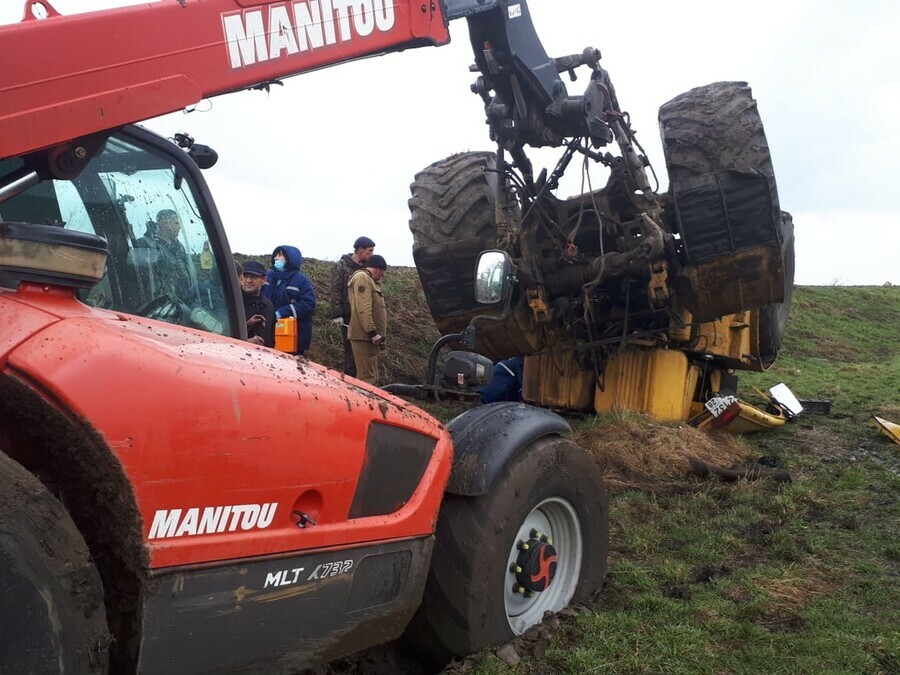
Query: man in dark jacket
(258, 309)
(160, 258)
(343, 269)
(291, 292)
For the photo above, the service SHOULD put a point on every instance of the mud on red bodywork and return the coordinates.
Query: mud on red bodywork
(18, 322)
(201, 422)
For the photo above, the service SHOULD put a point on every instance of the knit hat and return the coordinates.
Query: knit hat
(363, 242)
(377, 262)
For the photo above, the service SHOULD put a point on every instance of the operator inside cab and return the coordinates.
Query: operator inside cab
(160, 259)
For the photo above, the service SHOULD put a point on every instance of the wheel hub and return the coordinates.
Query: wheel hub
(536, 564)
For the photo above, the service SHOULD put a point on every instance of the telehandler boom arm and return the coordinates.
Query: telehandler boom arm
(80, 74)
(89, 73)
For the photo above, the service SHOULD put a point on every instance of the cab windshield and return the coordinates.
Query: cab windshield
(160, 263)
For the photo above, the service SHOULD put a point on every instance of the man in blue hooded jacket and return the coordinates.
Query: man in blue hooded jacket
(291, 292)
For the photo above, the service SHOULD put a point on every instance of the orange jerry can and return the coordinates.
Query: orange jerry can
(286, 335)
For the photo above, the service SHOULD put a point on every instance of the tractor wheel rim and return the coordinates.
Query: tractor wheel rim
(557, 520)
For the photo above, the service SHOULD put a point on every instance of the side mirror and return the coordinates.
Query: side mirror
(492, 277)
(203, 155)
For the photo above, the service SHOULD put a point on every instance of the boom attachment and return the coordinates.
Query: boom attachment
(526, 101)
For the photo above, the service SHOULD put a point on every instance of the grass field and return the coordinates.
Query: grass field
(714, 577)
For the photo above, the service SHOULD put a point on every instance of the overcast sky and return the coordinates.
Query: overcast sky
(330, 155)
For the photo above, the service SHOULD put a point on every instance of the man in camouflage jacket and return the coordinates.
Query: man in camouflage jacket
(368, 318)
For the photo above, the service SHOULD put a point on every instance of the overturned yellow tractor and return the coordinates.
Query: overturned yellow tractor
(620, 297)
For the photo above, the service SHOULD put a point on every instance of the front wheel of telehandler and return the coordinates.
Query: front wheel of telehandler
(53, 618)
(536, 542)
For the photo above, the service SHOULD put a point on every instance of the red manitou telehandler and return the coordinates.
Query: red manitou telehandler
(174, 499)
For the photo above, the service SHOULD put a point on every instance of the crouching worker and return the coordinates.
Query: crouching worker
(506, 381)
(368, 318)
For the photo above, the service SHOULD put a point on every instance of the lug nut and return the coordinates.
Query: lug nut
(518, 589)
(522, 545)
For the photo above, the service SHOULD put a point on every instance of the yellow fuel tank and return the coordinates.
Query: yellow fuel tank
(557, 381)
(657, 382)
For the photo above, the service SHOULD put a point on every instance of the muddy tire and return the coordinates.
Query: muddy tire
(53, 619)
(452, 219)
(711, 129)
(717, 129)
(471, 597)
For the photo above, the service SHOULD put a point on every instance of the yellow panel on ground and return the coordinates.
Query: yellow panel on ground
(890, 429)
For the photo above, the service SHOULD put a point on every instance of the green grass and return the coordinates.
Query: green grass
(744, 578)
(842, 344)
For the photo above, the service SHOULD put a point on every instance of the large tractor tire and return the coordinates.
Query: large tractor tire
(715, 144)
(711, 129)
(452, 218)
(536, 542)
(53, 618)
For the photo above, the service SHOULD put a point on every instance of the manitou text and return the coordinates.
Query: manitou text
(211, 520)
(288, 28)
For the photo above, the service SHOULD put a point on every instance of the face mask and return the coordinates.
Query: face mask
(279, 265)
